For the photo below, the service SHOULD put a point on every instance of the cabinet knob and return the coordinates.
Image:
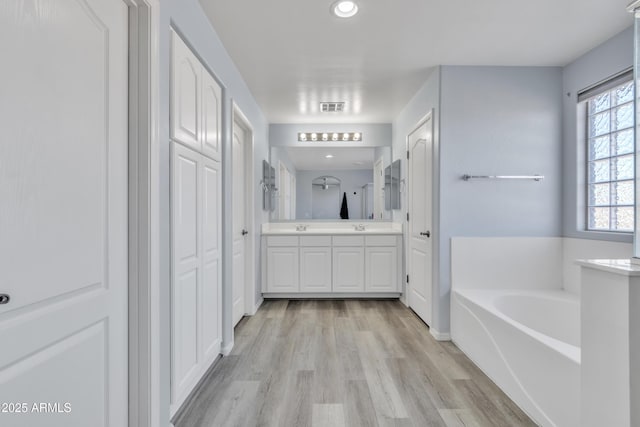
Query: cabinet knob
(245, 232)
(425, 233)
(4, 299)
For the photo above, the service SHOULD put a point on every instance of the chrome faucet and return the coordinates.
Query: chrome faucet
(301, 227)
(359, 227)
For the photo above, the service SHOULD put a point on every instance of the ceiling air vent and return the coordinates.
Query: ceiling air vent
(332, 107)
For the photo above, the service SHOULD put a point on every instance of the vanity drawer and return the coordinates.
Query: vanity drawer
(315, 240)
(348, 240)
(380, 240)
(282, 241)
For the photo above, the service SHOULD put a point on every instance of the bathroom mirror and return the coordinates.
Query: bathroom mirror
(268, 186)
(320, 183)
(392, 186)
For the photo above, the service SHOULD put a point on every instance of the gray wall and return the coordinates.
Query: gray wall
(487, 120)
(498, 121)
(596, 65)
(351, 181)
(188, 18)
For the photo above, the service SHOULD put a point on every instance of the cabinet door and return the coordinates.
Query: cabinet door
(282, 269)
(348, 269)
(186, 268)
(186, 75)
(381, 267)
(211, 116)
(315, 269)
(211, 293)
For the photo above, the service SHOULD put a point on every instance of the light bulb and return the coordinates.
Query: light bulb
(345, 9)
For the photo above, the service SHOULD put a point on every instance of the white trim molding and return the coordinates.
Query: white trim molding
(257, 306)
(226, 349)
(144, 210)
(440, 336)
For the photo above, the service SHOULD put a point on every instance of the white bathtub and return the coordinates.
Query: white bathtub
(528, 343)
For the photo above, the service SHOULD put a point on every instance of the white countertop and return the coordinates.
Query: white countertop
(325, 228)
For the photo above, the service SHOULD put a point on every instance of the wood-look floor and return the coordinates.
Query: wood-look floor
(345, 363)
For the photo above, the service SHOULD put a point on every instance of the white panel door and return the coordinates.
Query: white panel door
(282, 269)
(186, 75)
(420, 214)
(211, 292)
(187, 265)
(239, 222)
(348, 269)
(381, 269)
(315, 269)
(63, 211)
(211, 115)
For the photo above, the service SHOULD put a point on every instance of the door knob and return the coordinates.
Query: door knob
(245, 232)
(425, 233)
(4, 299)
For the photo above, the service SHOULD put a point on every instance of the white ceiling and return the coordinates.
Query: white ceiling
(312, 158)
(294, 53)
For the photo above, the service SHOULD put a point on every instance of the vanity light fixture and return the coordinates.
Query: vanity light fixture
(330, 136)
(329, 156)
(344, 8)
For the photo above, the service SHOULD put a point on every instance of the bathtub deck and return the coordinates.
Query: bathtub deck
(345, 363)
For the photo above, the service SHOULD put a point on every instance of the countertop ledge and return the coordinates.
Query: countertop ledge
(329, 232)
(623, 267)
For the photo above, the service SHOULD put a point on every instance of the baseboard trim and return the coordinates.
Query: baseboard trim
(440, 336)
(226, 350)
(257, 306)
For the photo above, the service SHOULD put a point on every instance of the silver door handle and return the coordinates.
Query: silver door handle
(245, 232)
(425, 233)
(4, 299)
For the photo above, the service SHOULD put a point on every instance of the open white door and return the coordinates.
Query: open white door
(63, 213)
(420, 259)
(239, 221)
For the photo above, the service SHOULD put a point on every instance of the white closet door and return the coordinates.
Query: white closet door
(211, 108)
(63, 212)
(187, 274)
(186, 75)
(211, 293)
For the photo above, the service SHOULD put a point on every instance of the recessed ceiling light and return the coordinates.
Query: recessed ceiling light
(329, 156)
(344, 8)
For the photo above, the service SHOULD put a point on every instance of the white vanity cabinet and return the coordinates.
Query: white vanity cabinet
(315, 264)
(381, 264)
(331, 265)
(284, 270)
(348, 260)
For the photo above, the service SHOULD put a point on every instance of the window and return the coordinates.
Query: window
(610, 163)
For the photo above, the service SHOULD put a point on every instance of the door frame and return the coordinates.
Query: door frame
(407, 239)
(145, 386)
(250, 303)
